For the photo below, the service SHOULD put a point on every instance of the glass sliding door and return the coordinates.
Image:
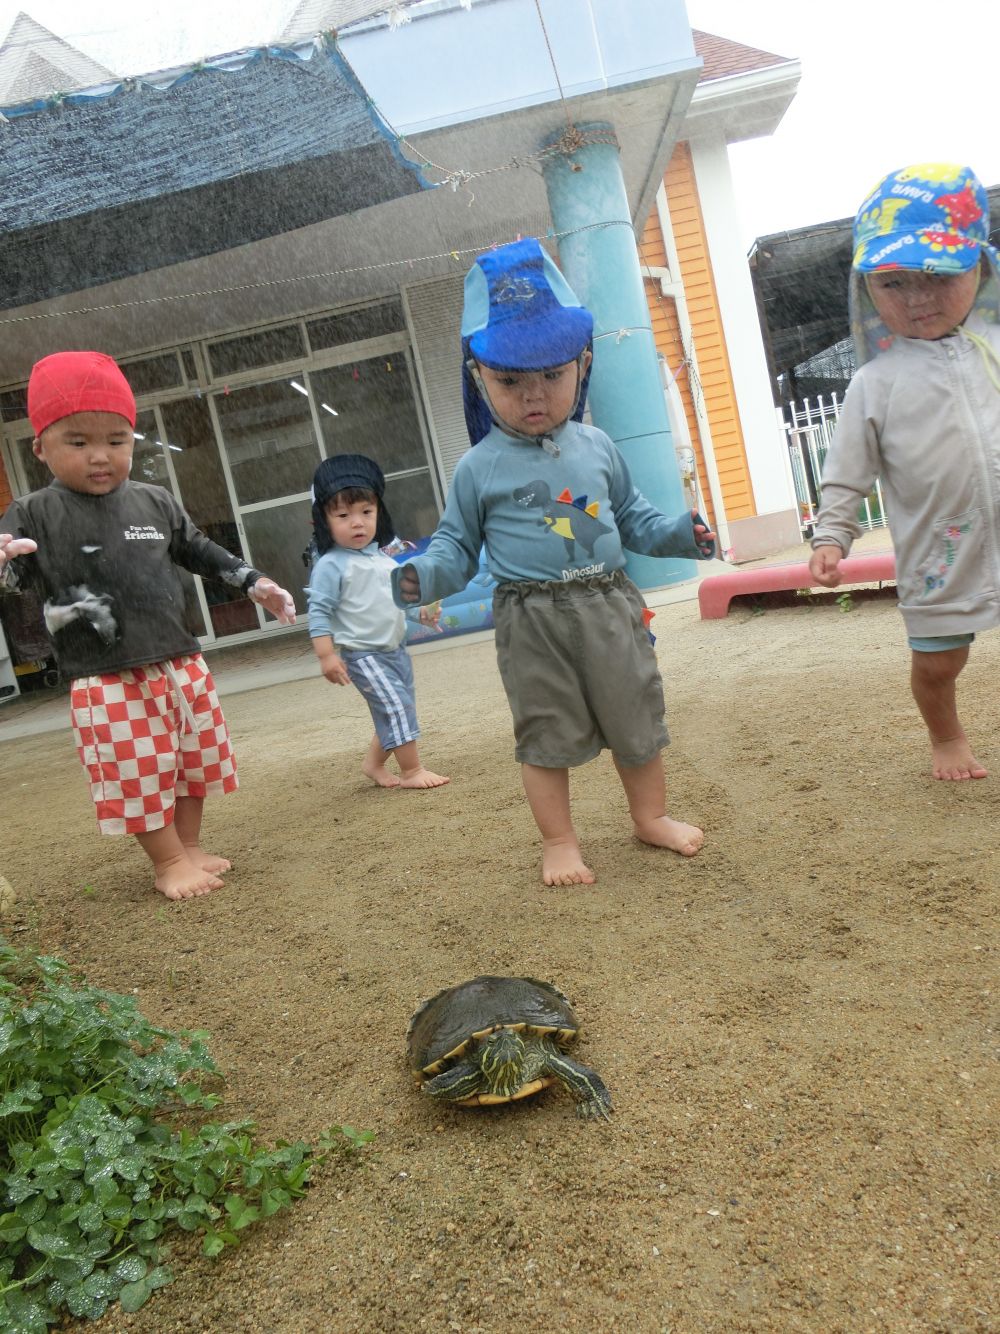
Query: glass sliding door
(204, 493)
(151, 462)
(270, 439)
(278, 536)
(272, 451)
(369, 407)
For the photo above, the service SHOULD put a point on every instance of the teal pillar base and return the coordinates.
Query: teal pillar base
(598, 255)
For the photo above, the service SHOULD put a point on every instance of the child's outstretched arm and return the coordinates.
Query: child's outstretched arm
(10, 548)
(452, 556)
(274, 599)
(647, 530)
(704, 538)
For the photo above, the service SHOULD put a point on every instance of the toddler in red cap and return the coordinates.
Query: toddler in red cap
(102, 552)
(923, 414)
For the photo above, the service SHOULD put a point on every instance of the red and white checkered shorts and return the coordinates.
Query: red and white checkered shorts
(148, 735)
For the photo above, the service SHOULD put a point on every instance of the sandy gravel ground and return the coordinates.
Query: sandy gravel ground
(798, 1026)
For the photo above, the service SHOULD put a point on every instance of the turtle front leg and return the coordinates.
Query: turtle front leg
(585, 1085)
(457, 1082)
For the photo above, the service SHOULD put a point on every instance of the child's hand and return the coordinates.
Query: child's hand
(704, 538)
(431, 615)
(823, 565)
(273, 599)
(15, 546)
(409, 584)
(334, 668)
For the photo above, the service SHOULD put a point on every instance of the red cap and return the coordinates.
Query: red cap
(68, 382)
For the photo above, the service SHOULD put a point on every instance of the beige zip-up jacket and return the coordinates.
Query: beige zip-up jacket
(924, 416)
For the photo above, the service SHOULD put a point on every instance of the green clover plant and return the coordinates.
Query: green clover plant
(93, 1173)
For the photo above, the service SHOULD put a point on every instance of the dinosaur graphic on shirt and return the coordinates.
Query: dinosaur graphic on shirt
(570, 518)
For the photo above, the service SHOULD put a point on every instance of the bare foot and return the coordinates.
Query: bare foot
(422, 778)
(181, 879)
(673, 834)
(207, 861)
(562, 864)
(379, 774)
(954, 761)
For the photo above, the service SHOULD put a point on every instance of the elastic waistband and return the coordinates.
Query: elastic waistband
(346, 651)
(592, 583)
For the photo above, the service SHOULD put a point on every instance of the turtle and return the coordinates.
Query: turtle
(498, 1039)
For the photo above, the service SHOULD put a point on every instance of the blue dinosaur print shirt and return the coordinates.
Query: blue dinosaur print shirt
(544, 517)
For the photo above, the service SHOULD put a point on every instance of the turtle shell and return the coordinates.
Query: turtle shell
(442, 1028)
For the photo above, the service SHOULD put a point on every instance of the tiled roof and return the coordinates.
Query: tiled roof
(724, 58)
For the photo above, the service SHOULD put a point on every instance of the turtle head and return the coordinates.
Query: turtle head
(501, 1061)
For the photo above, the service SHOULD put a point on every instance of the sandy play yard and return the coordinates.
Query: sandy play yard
(798, 1027)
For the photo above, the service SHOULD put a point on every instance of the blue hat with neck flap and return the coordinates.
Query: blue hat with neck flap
(519, 314)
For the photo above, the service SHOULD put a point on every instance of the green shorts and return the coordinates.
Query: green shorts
(579, 671)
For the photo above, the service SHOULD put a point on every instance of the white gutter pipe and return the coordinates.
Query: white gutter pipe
(671, 286)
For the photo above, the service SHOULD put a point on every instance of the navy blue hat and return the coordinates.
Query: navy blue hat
(519, 314)
(340, 473)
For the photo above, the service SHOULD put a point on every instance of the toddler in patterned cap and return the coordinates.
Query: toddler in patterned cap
(922, 413)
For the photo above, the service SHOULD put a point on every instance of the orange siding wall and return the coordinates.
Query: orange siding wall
(709, 339)
(5, 492)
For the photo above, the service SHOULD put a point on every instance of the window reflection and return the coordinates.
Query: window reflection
(367, 408)
(270, 439)
(194, 452)
(413, 506)
(148, 461)
(277, 537)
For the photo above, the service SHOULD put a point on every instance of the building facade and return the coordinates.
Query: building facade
(247, 373)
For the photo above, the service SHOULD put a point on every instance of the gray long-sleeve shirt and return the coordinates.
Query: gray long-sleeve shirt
(924, 416)
(350, 599)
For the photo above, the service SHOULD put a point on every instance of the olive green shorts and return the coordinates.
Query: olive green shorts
(579, 671)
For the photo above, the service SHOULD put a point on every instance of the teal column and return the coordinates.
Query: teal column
(598, 255)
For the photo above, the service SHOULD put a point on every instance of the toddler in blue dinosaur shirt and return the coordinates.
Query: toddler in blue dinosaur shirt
(555, 506)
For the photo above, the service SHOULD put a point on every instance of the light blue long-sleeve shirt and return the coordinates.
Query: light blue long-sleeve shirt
(544, 517)
(350, 599)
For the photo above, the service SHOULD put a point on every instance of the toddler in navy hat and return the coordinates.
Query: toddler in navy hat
(358, 632)
(923, 414)
(554, 503)
(102, 552)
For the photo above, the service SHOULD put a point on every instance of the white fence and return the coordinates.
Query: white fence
(808, 427)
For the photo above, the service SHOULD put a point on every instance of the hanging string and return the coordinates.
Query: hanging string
(264, 283)
(555, 71)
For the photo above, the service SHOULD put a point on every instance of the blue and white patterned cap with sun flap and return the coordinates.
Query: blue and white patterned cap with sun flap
(519, 314)
(932, 217)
